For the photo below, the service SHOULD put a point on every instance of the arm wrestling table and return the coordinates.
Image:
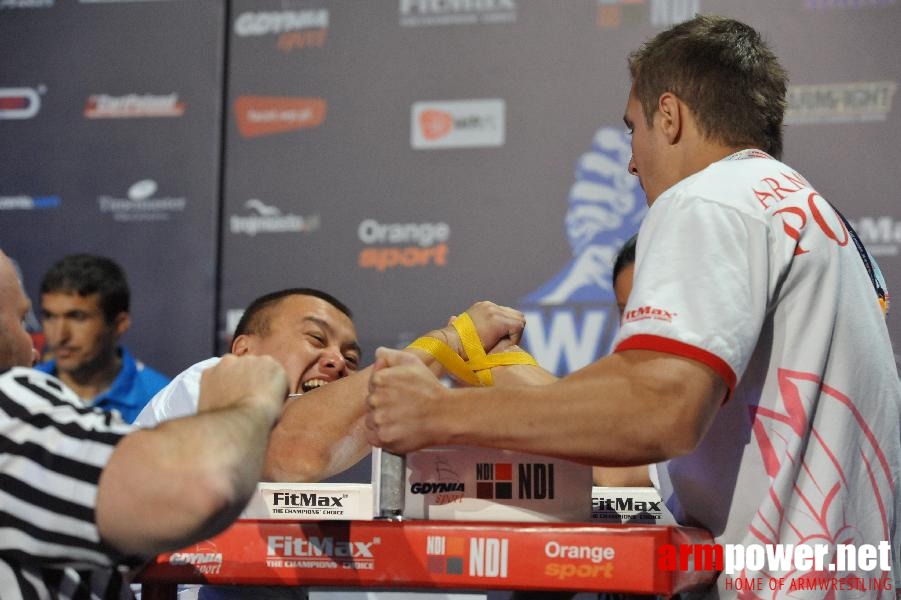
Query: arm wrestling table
(431, 554)
(422, 554)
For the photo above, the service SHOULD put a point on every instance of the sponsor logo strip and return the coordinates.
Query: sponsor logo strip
(457, 124)
(479, 555)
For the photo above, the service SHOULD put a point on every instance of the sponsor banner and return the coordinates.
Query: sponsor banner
(20, 102)
(311, 501)
(437, 13)
(572, 318)
(457, 124)
(23, 202)
(133, 106)
(141, 204)
(264, 115)
(120, 1)
(827, 4)
(840, 102)
(469, 483)
(613, 14)
(412, 554)
(5, 4)
(880, 234)
(402, 245)
(264, 218)
(293, 29)
(629, 505)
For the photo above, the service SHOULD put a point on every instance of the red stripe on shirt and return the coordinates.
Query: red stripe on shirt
(662, 344)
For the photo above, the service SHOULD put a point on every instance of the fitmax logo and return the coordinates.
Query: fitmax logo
(625, 504)
(288, 499)
(286, 545)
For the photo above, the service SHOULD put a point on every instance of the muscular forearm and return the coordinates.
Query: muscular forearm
(626, 409)
(319, 434)
(182, 482)
(322, 433)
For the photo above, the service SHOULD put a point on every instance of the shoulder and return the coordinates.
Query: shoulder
(28, 395)
(735, 186)
(143, 371)
(178, 398)
(25, 385)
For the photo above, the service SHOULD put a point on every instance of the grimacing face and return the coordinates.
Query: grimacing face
(315, 342)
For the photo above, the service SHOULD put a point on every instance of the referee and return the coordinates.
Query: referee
(85, 498)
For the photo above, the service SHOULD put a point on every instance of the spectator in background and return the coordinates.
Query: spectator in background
(81, 500)
(84, 313)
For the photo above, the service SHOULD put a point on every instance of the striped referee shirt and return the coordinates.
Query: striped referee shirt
(52, 451)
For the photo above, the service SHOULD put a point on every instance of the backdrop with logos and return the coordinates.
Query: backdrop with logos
(408, 156)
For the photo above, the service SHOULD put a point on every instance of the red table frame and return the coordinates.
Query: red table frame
(432, 554)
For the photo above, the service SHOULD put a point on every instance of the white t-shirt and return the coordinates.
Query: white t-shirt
(745, 268)
(178, 399)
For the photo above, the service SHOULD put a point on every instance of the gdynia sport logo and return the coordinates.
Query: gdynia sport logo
(819, 566)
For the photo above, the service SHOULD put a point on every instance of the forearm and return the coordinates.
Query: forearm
(318, 432)
(618, 411)
(322, 433)
(182, 482)
(521, 375)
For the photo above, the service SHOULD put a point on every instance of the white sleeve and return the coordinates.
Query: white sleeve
(178, 399)
(701, 281)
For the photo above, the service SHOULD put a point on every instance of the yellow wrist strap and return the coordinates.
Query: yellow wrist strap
(476, 370)
(449, 359)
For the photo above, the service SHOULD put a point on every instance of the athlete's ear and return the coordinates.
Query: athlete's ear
(242, 345)
(670, 108)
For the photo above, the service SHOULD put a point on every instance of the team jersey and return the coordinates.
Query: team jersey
(746, 268)
(178, 399)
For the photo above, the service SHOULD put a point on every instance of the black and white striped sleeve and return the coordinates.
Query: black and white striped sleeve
(52, 451)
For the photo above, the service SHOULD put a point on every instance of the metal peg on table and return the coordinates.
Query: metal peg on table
(392, 476)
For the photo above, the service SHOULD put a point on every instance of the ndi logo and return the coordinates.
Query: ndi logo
(494, 481)
(572, 319)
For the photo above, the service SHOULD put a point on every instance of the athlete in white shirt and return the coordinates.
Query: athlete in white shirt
(753, 355)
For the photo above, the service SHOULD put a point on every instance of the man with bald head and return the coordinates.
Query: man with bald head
(81, 497)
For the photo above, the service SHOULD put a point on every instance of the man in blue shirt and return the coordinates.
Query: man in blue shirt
(84, 313)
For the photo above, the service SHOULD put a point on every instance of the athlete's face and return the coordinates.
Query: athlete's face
(647, 142)
(78, 334)
(315, 342)
(16, 349)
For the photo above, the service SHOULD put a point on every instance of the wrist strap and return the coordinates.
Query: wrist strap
(477, 369)
(449, 359)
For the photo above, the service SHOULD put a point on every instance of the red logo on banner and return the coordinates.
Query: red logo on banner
(435, 124)
(265, 115)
